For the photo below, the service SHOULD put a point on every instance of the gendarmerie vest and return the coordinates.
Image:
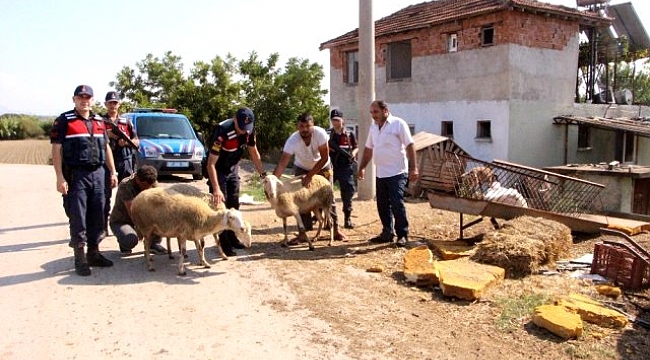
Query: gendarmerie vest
(83, 141)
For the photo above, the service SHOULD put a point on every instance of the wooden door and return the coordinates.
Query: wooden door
(641, 203)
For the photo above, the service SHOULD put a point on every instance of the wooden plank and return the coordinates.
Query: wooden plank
(452, 203)
(586, 224)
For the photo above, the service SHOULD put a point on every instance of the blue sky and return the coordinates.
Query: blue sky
(49, 47)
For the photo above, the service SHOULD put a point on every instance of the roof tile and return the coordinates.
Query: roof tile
(441, 11)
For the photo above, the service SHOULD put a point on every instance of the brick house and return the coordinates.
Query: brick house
(492, 74)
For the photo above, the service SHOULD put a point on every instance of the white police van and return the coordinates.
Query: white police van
(167, 142)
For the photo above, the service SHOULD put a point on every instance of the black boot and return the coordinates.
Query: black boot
(95, 258)
(80, 262)
(348, 222)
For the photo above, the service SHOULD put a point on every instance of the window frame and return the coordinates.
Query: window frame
(485, 29)
(445, 125)
(352, 70)
(480, 130)
(627, 135)
(584, 137)
(390, 62)
(452, 42)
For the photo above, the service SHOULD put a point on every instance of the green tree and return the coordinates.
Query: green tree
(154, 81)
(209, 95)
(635, 79)
(214, 90)
(278, 97)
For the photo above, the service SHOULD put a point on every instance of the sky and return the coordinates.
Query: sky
(49, 47)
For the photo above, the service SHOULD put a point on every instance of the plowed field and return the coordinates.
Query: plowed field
(34, 152)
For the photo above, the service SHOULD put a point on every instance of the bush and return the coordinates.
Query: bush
(17, 127)
(47, 127)
(30, 128)
(9, 129)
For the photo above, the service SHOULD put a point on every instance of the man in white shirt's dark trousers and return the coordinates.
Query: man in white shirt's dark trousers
(309, 148)
(391, 143)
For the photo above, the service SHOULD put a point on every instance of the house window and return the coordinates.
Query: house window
(483, 129)
(412, 129)
(629, 147)
(447, 129)
(452, 42)
(487, 36)
(584, 137)
(353, 67)
(399, 61)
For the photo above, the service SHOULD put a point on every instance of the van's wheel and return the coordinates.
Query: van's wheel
(197, 176)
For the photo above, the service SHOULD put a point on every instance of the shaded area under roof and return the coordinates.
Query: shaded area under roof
(627, 23)
(640, 127)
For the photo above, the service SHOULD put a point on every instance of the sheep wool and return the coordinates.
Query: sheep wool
(158, 212)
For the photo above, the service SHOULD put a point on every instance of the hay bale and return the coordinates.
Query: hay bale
(522, 244)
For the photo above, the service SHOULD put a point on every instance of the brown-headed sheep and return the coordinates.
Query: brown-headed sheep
(290, 198)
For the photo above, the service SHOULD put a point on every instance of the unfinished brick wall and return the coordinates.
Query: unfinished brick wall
(510, 27)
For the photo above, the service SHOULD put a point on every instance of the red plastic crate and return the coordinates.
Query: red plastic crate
(627, 265)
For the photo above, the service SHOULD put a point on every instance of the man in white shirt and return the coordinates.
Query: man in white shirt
(392, 144)
(309, 145)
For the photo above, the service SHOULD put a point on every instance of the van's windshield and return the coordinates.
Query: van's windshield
(168, 127)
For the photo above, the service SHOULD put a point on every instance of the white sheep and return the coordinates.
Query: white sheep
(290, 198)
(189, 190)
(157, 212)
(503, 195)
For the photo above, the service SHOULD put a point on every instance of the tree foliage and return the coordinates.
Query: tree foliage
(213, 90)
(636, 79)
(18, 126)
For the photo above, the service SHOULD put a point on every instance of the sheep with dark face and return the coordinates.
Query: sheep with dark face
(290, 198)
(158, 212)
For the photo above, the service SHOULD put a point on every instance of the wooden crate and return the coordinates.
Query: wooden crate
(436, 163)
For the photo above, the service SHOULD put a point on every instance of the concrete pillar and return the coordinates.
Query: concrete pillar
(366, 91)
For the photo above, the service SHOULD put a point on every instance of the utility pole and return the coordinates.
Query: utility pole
(366, 91)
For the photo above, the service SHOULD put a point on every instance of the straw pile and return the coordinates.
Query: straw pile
(521, 245)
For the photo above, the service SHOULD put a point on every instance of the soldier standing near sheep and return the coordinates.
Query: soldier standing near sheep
(391, 143)
(79, 152)
(343, 151)
(310, 146)
(122, 151)
(229, 139)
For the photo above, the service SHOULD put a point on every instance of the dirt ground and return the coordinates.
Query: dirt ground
(269, 301)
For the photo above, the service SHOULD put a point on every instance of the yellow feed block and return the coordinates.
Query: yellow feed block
(419, 267)
(558, 320)
(467, 280)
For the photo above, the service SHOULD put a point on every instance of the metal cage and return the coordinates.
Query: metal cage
(522, 186)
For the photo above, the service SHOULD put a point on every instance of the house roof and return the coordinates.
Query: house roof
(640, 127)
(425, 139)
(443, 11)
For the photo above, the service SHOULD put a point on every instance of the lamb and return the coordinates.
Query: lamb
(479, 178)
(485, 185)
(503, 195)
(291, 198)
(158, 212)
(189, 190)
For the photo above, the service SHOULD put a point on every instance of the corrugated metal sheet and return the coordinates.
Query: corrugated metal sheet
(639, 127)
(627, 23)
